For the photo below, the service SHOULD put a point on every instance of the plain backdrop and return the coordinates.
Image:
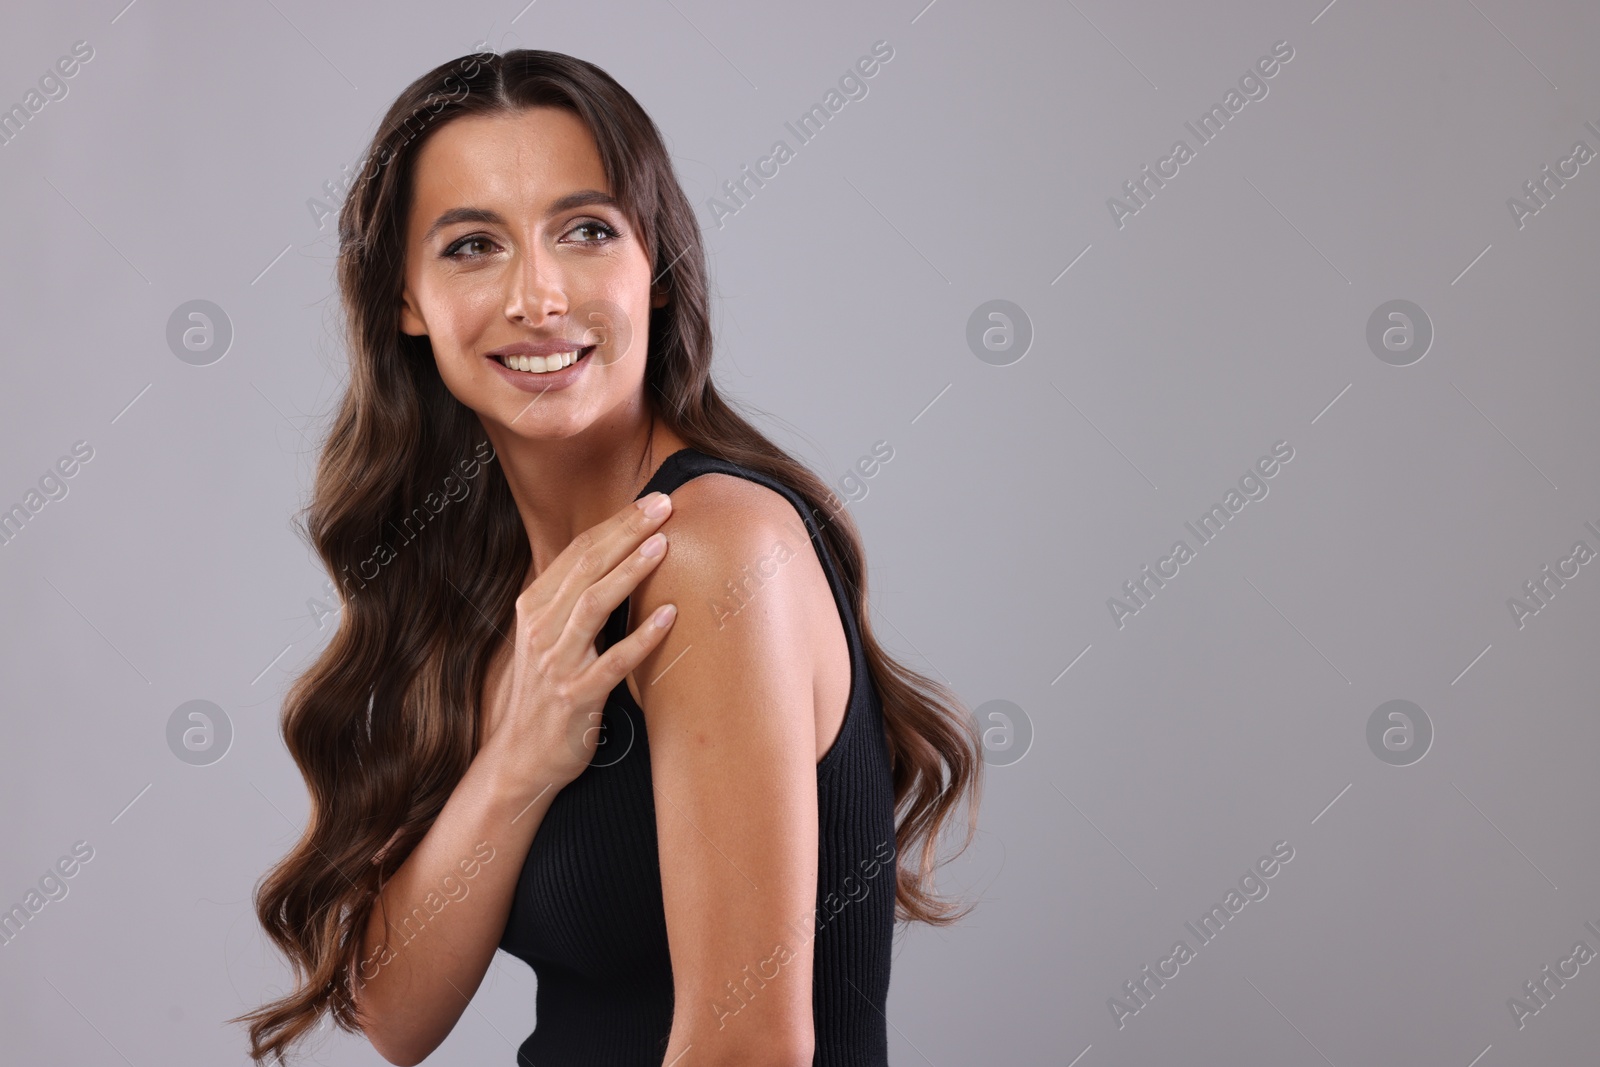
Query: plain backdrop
(1146, 358)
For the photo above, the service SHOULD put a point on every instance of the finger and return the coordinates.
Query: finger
(608, 544)
(595, 605)
(593, 553)
(621, 658)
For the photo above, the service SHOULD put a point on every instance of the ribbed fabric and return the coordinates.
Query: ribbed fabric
(587, 914)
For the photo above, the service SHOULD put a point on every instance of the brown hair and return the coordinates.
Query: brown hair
(384, 724)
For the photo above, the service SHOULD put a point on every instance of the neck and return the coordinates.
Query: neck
(563, 486)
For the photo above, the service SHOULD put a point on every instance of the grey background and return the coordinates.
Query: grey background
(1229, 314)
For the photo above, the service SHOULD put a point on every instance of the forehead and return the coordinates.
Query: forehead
(514, 162)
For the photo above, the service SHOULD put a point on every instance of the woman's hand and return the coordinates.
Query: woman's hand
(543, 724)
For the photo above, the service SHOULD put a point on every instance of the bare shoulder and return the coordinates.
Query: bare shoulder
(737, 550)
(722, 524)
(734, 512)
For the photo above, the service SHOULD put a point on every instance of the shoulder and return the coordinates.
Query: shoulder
(726, 528)
(736, 550)
(723, 514)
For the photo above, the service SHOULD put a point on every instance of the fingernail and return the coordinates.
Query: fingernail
(659, 506)
(664, 614)
(653, 546)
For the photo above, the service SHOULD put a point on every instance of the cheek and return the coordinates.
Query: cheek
(461, 324)
(467, 312)
(618, 310)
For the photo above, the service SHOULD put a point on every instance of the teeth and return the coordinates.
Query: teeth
(541, 364)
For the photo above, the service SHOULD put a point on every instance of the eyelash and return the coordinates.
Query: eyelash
(610, 233)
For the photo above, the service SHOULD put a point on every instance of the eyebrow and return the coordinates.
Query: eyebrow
(583, 198)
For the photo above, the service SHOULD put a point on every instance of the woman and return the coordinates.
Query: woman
(699, 831)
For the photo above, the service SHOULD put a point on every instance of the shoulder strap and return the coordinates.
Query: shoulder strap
(678, 468)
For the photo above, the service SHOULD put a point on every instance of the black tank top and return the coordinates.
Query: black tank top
(587, 913)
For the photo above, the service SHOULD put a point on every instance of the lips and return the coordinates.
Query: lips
(537, 364)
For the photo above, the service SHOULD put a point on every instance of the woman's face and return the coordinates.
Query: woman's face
(512, 239)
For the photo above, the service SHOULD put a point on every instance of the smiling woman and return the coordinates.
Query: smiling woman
(668, 798)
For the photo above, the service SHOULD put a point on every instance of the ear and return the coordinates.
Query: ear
(411, 321)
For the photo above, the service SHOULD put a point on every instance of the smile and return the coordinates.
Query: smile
(543, 364)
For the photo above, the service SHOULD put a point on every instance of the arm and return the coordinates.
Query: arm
(447, 906)
(728, 705)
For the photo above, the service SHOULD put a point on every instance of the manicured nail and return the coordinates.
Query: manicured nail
(664, 615)
(653, 546)
(659, 505)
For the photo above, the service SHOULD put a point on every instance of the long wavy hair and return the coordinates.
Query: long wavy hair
(385, 723)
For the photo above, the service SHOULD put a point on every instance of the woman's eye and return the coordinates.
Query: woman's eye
(606, 233)
(454, 251)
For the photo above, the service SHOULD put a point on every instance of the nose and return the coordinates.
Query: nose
(535, 290)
